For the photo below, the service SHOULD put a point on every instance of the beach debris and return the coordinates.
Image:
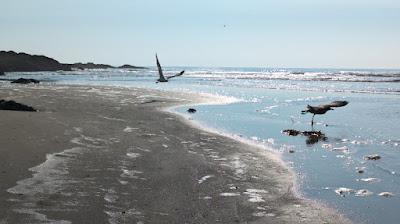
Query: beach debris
(372, 157)
(162, 78)
(386, 194)
(363, 193)
(291, 132)
(191, 110)
(312, 136)
(26, 81)
(322, 109)
(12, 105)
(343, 191)
(360, 170)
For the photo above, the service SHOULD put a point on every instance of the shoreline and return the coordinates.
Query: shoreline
(232, 171)
(267, 152)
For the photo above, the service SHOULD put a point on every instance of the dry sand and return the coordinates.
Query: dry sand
(110, 155)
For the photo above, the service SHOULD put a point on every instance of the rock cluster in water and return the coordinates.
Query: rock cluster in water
(312, 136)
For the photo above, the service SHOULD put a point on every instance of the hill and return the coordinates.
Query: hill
(11, 61)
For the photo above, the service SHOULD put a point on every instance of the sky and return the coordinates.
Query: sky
(212, 33)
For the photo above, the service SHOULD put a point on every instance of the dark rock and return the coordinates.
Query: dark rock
(191, 110)
(312, 136)
(25, 81)
(12, 105)
(372, 157)
(360, 171)
(291, 151)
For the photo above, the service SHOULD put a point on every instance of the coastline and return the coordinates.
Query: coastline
(224, 178)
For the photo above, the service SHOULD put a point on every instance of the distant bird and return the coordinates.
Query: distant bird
(162, 78)
(322, 109)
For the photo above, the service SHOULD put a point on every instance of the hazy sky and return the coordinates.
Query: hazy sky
(262, 33)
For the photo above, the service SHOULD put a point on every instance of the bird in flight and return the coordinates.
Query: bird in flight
(322, 109)
(162, 78)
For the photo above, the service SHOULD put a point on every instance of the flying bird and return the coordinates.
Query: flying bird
(162, 78)
(322, 109)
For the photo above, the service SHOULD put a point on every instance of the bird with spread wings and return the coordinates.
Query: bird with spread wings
(162, 78)
(322, 109)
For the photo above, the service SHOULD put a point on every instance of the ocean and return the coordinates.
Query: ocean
(263, 102)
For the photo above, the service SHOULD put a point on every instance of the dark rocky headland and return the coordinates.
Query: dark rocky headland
(11, 61)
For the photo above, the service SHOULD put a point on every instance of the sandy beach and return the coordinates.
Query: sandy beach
(113, 155)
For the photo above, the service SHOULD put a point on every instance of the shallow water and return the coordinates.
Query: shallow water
(270, 100)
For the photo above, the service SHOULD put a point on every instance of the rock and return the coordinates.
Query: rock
(342, 191)
(291, 151)
(25, 81)
(191, 110)
(363, 193)
(372, 157)
(360, 171)
(386, 194)
(12, 105)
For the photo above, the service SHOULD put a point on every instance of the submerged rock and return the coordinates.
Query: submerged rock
(363, 193)
(25, 81)
(342, 191)
(372, 157)
(386, 194)
(191, 110)
(12, 105)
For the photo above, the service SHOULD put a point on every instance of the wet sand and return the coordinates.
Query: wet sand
(99, 154)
